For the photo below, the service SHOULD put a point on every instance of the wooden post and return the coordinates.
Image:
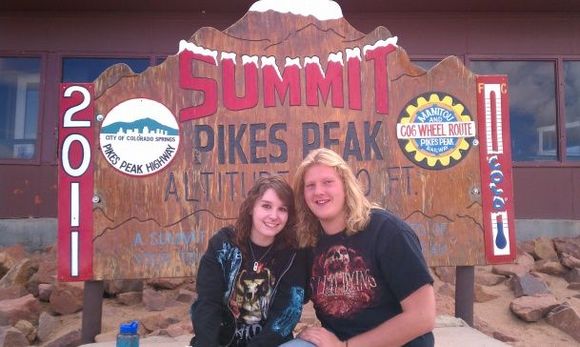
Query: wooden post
(92, 311)
(464, 295)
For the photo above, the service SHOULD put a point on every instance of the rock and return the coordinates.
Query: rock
(447, 289)
(446, 274)
(569, 260)
(165, 283)
(482, 294)
(44, 291)
(12, 337)
(565, 318)
(130, 298)
(550, 267)
(488, 279)
(574, 286)
(157, 321)
(525, 259)
(154, 300)
(177, 329)
(27, 329)
(16, 252)
(499, 335)
(533, 308)
(71, 338)
(570, 245)
(13, 292)
(528, 285)
(544, 249)
(573, 275)
(66, 297)
(46, 274)
(19, 274)
(525, 246)
(115, 287)
(6, 263)
(47, 324)
(186, 296)
(26, 307)
(510, 269)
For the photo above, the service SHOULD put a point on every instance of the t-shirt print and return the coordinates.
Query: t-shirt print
(342, 283)
(250, 301)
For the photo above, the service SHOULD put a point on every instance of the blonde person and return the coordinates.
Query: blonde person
(369, 282)
(250, 282)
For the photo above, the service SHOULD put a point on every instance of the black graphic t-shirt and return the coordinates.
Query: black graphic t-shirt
(359, 281)
(252, 294)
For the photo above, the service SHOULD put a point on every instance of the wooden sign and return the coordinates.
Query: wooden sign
(177, 147)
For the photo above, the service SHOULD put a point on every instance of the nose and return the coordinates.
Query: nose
(274, 214)
(317, 189)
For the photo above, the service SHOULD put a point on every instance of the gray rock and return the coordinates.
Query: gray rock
(528, 285)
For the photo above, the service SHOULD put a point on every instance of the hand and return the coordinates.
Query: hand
(320, 337)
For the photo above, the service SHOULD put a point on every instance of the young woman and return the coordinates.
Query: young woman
(250, 282)
(369, 282)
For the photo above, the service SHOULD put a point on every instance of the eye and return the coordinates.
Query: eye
(266, 206)
(310, 186)
(283, 209)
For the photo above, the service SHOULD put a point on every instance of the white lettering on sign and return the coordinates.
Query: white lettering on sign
(75, 187)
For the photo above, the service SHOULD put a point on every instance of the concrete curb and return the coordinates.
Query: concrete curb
(449, 332)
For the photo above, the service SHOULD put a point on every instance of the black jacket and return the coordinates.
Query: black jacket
(212, 318)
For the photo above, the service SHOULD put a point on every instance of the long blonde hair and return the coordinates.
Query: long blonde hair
(357, 206)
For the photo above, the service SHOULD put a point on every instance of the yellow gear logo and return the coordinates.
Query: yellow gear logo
(433, 131)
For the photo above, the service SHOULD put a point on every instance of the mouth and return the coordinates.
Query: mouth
(321, 202)
(271, 225)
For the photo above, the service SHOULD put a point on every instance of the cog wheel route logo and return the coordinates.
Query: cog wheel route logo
(139, 137)
(435, 131)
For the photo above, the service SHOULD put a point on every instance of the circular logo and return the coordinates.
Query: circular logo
(139, 137)
(433, 131)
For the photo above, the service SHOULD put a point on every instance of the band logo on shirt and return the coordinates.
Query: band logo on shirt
(342, 283)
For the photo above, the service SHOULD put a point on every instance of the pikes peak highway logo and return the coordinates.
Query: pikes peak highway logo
(139, 137)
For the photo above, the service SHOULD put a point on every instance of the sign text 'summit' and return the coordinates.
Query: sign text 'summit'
(285, 85)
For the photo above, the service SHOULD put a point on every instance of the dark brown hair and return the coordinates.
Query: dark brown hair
(243, 225)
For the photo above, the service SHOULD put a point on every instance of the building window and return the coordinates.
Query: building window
(572, 109)
(81, 70)
(533, 116)
(19, 107)
(426, 64)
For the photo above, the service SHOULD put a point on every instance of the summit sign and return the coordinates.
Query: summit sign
(156, 162)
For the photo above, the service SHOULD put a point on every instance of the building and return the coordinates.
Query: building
(534, 42)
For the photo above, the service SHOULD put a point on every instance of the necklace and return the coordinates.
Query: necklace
(257, 267)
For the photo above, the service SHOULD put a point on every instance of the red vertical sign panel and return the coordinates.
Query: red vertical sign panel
(496, 169)
(75, 182)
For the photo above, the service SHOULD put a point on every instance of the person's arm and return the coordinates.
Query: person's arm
(286, 306)
(417, 318)
(206, 311)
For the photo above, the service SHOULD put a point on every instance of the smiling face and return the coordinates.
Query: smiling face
(325, 196)
(269, 216)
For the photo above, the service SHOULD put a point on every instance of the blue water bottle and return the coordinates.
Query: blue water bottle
(128, 336)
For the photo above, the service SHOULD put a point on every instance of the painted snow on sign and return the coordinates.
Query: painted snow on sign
(192, 47)
(391, 41)
(320, 9)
